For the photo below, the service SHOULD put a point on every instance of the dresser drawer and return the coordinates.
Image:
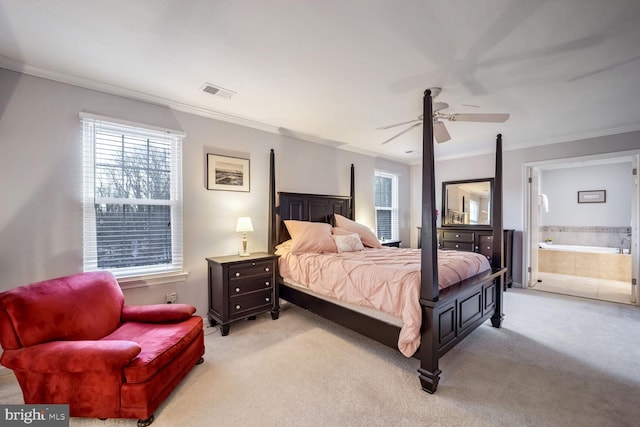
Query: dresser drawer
(240, 306)
(458, 236)
(459, 246)
(485, 246)
(245, 285)
(244, 270)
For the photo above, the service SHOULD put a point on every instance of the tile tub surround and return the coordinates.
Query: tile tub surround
(584, 236)
(585, 264)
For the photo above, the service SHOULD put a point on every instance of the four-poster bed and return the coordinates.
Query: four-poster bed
(449, 314)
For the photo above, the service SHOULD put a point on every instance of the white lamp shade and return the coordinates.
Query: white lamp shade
(244, 224)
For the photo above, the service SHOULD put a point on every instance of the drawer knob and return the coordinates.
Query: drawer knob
(267, 299)
(253, 264)
(237, 306)
(267, 283)
(457, 235)
(237, 274)
(457, 246)
(267, 269)
(237, 289)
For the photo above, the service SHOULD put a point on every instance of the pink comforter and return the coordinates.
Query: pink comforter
(386, 279)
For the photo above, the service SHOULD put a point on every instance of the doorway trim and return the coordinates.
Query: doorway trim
(530, 202)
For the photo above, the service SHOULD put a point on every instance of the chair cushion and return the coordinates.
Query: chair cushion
(83, 306)
(157, 313)
(160, 343)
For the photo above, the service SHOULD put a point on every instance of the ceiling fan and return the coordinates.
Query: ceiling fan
(440, 132)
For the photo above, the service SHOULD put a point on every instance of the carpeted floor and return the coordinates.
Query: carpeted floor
(557, 361)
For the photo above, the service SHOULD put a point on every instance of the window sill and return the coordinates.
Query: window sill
(142, 281)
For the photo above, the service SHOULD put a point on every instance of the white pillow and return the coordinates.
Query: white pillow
(348, 242)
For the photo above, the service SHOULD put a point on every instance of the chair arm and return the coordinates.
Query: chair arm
(72, 356)
(157, 313)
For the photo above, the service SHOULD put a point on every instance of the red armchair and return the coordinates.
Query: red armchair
(72, 341)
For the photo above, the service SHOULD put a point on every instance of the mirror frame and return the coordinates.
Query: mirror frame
(444, 204)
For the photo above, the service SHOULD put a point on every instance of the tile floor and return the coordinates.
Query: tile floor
(586, 287)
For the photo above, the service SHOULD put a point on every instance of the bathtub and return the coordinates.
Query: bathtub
(586, 261)
(576, 248)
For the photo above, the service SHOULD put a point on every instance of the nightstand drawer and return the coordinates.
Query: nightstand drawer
(239, 287)
(249, 269)
(240, 306)
(457, 236)
(458, 246)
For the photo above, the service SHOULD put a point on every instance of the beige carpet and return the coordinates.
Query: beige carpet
(557, 361)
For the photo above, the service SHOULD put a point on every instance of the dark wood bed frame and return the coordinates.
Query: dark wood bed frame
(448, 316)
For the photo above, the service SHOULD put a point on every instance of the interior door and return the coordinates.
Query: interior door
(534, 222)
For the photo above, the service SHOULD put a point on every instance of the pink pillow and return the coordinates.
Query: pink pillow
(337, 231)
(366, 235)
(310, 237)
(348, 242)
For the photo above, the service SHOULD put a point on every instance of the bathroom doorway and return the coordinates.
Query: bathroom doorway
(581, 221)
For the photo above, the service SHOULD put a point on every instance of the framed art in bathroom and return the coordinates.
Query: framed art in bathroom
(594, 196)
(227, 173)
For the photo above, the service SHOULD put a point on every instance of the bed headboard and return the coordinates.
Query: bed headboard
(309, 207)
(303, 207)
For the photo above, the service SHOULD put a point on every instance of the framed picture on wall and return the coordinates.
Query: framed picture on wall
(594, 196)
(227, 173)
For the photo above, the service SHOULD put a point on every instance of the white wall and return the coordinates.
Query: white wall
(561, 187)
(40, 175)
(482, 166)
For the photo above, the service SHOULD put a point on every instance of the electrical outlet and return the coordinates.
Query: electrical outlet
(171, 297)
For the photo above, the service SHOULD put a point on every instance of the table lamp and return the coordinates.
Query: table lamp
(242, 226)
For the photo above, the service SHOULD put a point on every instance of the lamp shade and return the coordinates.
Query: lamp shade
(244, 224)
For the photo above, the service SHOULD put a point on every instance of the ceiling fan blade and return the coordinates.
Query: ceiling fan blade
(437, 106)
(419, 119)
(440, 132)
(478, 117)
(402, 133)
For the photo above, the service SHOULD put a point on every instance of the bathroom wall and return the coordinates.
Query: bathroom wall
(589, 224)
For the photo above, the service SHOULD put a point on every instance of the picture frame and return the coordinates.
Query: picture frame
(592, 196)
(227, 173)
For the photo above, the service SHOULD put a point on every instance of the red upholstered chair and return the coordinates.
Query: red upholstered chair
(72, 341)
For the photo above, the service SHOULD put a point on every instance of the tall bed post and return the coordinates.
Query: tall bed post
(497, 257)
(273, 230)
(352, 191)
(429, 257)
(429, 292)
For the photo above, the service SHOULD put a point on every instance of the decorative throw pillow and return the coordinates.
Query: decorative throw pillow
(366, 235)
(348, 242)
(310, 237)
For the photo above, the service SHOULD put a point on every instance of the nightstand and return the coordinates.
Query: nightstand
(241, 287)
(391, 243)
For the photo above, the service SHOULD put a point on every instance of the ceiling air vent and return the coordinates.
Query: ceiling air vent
(217, 91)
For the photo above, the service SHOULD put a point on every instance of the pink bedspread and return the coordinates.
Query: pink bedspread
(386, 279)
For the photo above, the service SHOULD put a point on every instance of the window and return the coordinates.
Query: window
(386, 194)
(132, 198)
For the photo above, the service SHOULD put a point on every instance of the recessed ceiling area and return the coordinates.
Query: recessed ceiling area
(336, 72)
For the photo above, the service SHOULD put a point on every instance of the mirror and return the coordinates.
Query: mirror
(467, 203)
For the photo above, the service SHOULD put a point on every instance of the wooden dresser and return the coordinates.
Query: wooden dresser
(477, 240)
(241, 287)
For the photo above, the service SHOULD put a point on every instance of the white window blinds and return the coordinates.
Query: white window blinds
(132, 198)
(386, 198)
